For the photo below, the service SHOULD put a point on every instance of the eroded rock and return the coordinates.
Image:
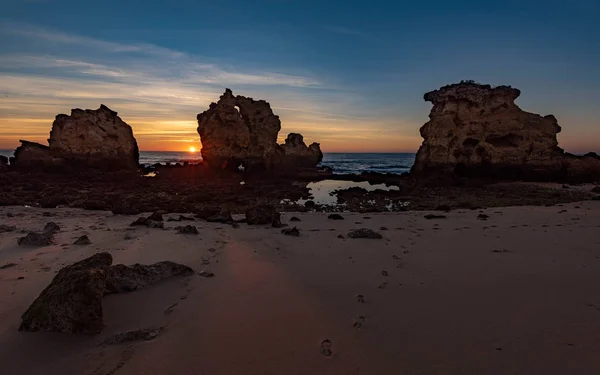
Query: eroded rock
(88, 138)
(478, 131)
(239, 131)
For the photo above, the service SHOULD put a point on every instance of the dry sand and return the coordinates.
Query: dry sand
(518, 293)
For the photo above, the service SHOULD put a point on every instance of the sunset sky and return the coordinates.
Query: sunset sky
(348, 74)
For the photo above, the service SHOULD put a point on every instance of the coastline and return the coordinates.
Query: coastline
(461, 295)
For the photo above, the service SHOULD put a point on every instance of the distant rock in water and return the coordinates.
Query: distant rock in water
(478, 131)
(87, 138)
(239, 131)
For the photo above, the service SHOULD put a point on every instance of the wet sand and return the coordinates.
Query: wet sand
(517, 293)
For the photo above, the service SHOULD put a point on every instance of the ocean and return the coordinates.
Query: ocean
(353, 163)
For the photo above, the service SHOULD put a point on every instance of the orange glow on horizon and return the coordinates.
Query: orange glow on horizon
(192, 149)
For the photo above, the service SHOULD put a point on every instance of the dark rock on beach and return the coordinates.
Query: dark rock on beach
(122, 278)
(82, 241)
(263, 214)
(335, 217)
(188, 229)
(72, 303)
(364, 233)
(291, 232)
(36, 239)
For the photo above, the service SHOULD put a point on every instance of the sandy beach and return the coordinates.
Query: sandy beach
(514, 294)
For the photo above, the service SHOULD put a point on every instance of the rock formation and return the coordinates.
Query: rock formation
(3, 163)
(72, 303)
(241, 131)
(87, 138)
(478, 131)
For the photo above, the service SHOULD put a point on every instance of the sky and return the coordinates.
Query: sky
(348, 74)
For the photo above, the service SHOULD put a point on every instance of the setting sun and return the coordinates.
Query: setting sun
(192, 149)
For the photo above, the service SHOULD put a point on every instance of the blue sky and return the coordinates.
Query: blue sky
(349, 74)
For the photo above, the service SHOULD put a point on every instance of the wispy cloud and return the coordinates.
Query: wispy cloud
(157, 90)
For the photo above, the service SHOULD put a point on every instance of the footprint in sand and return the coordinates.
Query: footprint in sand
(360, 298)
(359, 322)
(326, 348)
(382, 285)
(384, 273)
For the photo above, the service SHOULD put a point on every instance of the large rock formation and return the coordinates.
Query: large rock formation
(478, 131)
(241, 131)
(87, 138)
(3, 163)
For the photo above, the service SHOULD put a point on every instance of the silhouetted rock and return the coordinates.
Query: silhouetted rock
(239, 131)
(291, 232)
(364, 233)
(94, 138)
(596, 189)
(478, 131)
(36, 239)
(432, 216)
(51, 227)
(83, 240)
(3, 163)
(72, 302)
(32, 155)
(156, 216)
(122, 278)
(188, 229)
(335, 217)
(221, 217)
(263, 214)
(294, 218)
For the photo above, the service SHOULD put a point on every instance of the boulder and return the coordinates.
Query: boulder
(72, 302)
(239, 131)
(122, 278)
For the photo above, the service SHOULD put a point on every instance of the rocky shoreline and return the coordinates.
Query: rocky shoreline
(476, 138)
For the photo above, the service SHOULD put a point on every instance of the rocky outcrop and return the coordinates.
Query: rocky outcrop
(32, 155)
(297, 155)
(239, 131)
(86, 139)
(478, 131)
(72, 303)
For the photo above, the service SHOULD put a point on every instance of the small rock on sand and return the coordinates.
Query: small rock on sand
(364, 233)
(138, 335)
(432, 216)
(188, 229)
(83, 240)
(291, 232)
(7, 265)
(294, 218)
(335, 217)
(156, 216)
(36, 239)
(483, 217)
(51, 227)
